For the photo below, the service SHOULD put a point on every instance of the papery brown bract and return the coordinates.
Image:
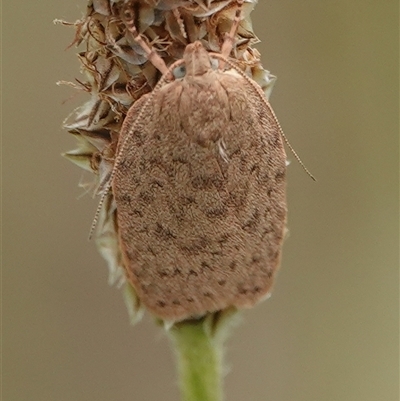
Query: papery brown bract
(200, 193)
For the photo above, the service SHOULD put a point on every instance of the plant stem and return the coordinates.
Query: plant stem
(199, 351)
(199, 360)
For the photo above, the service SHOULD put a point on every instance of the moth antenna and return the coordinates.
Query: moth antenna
(180, 22)
(262, 96)
(97, 214)
(297, 157)
(152, 56)
(227, 46)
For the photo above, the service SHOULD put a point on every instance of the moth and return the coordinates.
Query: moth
(199, 186)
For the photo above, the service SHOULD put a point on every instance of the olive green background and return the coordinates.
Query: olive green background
(330, 330)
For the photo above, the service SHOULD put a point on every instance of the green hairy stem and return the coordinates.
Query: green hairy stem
(199, 352)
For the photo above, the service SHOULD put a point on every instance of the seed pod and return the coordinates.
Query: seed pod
(199, 185)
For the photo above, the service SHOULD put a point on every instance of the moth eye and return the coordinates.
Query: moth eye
(179, 72)
(214, 63)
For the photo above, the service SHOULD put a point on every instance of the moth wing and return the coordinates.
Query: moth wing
(200, 233)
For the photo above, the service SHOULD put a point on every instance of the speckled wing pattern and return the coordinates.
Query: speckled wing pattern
(200, 195)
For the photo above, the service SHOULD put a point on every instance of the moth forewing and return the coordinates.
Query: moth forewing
(200, 192)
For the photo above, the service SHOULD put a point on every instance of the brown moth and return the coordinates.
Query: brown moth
(199, 186)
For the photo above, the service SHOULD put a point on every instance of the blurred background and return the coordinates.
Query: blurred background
(330, 330)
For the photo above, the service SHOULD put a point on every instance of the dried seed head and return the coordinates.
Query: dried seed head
(118, 76)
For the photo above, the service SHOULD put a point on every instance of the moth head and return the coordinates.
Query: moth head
(197, 59)
(179, 72)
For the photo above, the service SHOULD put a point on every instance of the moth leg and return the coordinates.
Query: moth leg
(230, 37)
(152, 55)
